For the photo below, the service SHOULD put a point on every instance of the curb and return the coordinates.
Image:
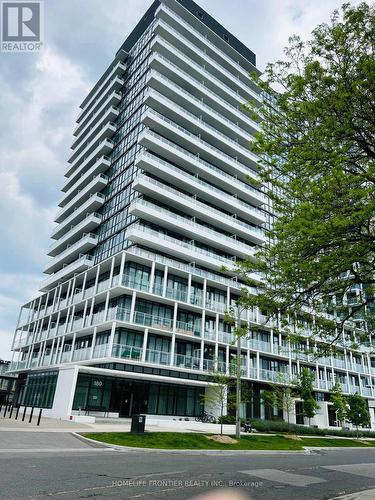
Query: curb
(122, 448)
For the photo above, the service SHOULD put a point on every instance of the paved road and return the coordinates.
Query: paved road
(58, 465)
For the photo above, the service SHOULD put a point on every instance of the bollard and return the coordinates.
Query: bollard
(17, 412)
(5, 411)
(40, 416)
(31, 414)
(1, 406)
(11, 411)
(24, 413)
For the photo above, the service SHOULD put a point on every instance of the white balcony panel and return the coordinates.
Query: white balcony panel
(85, 226)
(196, 165)
(86, 148)
(189, 228)
(104, 115)
(67, 272)
(101, 149)
(95, 185)
(194, 53)
(89, 206)
(180, 79)
(228, 120)
(183, 250)
(168, 128)
(197, 72)
(112, 87)
(195, 124)
(190, 205)
(71, 253)
(144, 185)
(203, 42)
(213, 149)
(78, 181)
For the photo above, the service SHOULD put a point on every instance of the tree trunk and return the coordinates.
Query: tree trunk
(221, 419)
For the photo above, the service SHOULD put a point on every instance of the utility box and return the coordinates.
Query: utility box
(138, 424)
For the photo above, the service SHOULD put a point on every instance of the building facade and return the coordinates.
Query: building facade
(7, 383)
(161, 198)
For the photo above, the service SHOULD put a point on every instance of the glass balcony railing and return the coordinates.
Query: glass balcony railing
(158, 357)
(190, 328)
(182, 361)
(100, 351)
(127, 352)
(181, 243)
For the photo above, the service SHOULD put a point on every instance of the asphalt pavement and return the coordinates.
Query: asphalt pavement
(36, 465)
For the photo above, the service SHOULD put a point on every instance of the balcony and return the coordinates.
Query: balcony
(87, 148)
(152, 321)
(230, 126)
(95, 185)
(200, 58)
(230, 176)
(100, 351)
(89, 223)
(79, 265)
(274, 376)
(189, 362)
(175, 175)
(180, 135)
(97, 150)
(204, 43)
(231, 110)
(146, 185)
(260, 345)
(147, 254)
(111, 90)
(91, 205)
(157, 357)
(87, 242)
(189, 328)
(187, 227)
(102, 117)
(127, 352)
(79, 180)
(181, 249)
(197, 72)
(192, 122)
(82, 354)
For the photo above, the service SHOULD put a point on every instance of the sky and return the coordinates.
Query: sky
(39, 98)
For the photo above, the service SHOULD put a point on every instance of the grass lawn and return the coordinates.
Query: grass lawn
(193, 441)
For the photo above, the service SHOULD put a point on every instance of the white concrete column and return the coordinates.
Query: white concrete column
(144, 345)
(111, 339)
(165, 281)
(152, 277)
(132, 306)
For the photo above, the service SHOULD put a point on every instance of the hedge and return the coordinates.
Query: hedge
(282, 426)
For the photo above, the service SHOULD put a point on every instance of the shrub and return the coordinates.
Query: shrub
(281, 426)
(227, 419)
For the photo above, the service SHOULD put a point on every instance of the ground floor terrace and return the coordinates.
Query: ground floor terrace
(121, 390)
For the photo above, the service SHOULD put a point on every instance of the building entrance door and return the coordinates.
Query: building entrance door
(126, 406)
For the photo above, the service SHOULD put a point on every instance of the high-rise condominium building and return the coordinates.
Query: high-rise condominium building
(158, 202)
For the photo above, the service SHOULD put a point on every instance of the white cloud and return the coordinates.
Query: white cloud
(37, 120)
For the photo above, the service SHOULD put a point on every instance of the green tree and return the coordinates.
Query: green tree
(217, 394)
(317, 149)
(338, 402)
(269, 399)
(305, 390)
(358, 413)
